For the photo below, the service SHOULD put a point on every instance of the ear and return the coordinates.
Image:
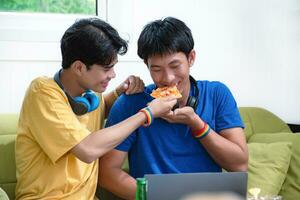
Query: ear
(78, 67)
(192, 57)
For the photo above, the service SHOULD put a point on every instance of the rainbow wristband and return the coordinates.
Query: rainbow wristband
(202, 132)
(149, 116)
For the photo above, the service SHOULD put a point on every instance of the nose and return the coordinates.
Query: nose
(168, 78)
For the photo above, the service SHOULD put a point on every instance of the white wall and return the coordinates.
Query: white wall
(29, 47)
(253, 46)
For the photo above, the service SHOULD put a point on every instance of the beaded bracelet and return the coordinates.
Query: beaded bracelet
(199, 134)
(149, 116)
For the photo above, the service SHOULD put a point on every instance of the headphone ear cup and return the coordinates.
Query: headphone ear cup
(93, 100)
(192, 102)
(83, 101)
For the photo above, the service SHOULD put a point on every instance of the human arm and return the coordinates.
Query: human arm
(228, 147)
(113, 178)
(132, 85)
(99, 142)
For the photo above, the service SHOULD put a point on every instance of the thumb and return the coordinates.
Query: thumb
(125, 86)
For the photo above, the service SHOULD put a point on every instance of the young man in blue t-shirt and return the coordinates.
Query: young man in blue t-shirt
(203, 134)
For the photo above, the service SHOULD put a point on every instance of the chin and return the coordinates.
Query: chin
(100, 90)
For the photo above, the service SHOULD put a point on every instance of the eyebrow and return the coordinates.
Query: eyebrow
(170, 63)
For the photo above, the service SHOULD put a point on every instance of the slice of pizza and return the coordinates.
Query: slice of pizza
(165, 92)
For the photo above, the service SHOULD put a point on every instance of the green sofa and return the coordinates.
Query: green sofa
(8, 127)
(274, 153)
(271, 145)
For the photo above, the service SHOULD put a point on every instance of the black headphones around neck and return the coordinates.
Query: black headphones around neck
(192, 101)
(81, 104)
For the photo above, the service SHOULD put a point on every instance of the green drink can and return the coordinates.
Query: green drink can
(141, 189)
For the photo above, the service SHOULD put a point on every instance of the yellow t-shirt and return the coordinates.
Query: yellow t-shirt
(47, 130)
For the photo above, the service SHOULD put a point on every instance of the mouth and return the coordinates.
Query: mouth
(105, 84)
(171, 85)
(177, 85)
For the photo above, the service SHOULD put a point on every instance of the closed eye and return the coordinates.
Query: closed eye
(155, 69)
(175, 66)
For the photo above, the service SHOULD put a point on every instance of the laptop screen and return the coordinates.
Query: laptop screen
(178, 186)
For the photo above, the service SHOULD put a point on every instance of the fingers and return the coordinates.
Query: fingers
(173, 102)
(135, 85)
(169, 114)
(170, 101)
(169, 98)
(131, 84)
(170, 120)
(173, 118)
(184, 111)
(140, 85)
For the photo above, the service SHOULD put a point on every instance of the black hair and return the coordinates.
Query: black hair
(165, 36)
(92, 41)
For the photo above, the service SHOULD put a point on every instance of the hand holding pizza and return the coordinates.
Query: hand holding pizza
(162, 106)
(185, 115)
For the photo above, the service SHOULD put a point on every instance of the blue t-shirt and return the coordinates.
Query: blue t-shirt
(170, 148)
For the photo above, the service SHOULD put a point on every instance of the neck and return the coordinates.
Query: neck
(70, 83)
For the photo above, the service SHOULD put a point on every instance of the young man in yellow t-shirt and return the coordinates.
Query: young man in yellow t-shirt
(59, 137)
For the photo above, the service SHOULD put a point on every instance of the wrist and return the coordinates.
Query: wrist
(202, 132)
(196, 123)
(148, 113)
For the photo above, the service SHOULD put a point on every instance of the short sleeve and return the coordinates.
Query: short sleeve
(227, 113)
(52, 123)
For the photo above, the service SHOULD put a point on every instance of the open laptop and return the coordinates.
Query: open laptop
(177, 186)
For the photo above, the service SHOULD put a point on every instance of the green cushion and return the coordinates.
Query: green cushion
(9, 188)
(259, 120)
(3, 195)
(8, 124)
(8, 164)
(291, 187)
(268, 165)
(7, 155)
(247, 122)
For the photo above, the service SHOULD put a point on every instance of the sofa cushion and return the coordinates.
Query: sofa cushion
(264, 171)
(259, 120)
(8, 124)
(248, 129)
(8, 164)
(8, 129)
(3, 195)
(291, 187)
